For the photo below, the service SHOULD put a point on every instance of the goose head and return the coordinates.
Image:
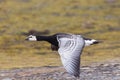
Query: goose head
(31, 38)
(91, 42)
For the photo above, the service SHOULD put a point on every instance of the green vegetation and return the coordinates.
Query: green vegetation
(96, 19)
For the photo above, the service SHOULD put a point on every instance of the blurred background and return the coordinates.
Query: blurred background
(97, 19)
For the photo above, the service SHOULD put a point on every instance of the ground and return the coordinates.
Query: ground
(90, 18)
(97, 19)
(109, 70)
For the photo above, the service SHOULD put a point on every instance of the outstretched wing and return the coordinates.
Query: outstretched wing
(70, 48)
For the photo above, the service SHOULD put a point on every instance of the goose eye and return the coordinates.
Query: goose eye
(30, 37)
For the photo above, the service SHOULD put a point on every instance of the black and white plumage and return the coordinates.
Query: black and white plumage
(69, 47)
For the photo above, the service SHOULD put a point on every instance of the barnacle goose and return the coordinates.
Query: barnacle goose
(69, 47)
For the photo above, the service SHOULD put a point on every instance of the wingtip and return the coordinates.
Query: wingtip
(77, 77)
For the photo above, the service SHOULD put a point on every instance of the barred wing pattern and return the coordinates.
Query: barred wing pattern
(70, 49)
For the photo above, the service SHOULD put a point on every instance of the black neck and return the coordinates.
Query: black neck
(42, 38)
(50, 39)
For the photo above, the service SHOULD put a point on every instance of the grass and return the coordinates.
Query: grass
(95, 19)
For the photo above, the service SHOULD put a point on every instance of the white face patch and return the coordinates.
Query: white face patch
(32, 38)
(89, 42)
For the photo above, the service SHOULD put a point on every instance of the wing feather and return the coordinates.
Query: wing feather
(70, 49)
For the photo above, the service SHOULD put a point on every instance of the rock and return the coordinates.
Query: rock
(7, 79)
(2, 74)
(106, 65)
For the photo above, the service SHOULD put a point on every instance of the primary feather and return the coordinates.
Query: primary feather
(70, 49)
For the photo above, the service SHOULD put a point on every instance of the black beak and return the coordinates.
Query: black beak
(96, 42)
